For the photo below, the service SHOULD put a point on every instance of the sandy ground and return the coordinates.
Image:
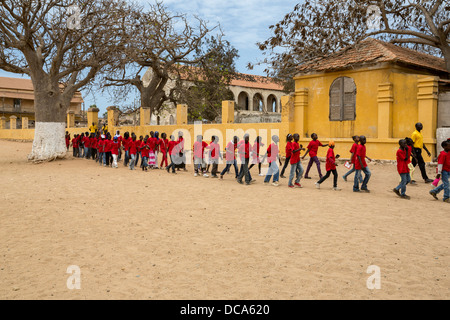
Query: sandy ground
(152, 235)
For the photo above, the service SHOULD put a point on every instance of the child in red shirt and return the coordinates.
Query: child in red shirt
(75, 146)
(163, 145)
(361, 165)
(133, 151)
(330, 167)
(172, 153)
(272, 156)
(403, 156)
(353, 158)
(199, 156)
(115, 145)
(145, 151)
(255, 155)
(288, 151)
(313, 148)
(443, 172)
(67, 140)
(296, 164)
(244, 150)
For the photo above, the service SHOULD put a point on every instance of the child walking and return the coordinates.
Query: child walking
(361, 165)
(231, 157)
(214, 154)
(199, 157)
(272, 156)
(288, 151)
(353, 158)
(330, 167)
(296, 164)
(163, 145)
(255, 155)
(172, 153)
(313, 148)
(443, 173)
(115, 152)
(403, 156)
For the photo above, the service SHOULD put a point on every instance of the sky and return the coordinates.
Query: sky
(244, 23)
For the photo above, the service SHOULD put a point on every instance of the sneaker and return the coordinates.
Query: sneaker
(413, 183)
(292, 187)
(434, 194)
(283, 177)
(167, 169)
(195, 174)
(205, 175)
(240, 182)
(397, 192)
(336, 189)
(266, 183)
(298, 185)
(357, 190)
(261, 175)
(275, 184)
(405, 197)
(345, 179)
(221, 177)
(428, 181)
(214, 177)
(253, 181)
(307, 177)
(317, 185)
(366, 190)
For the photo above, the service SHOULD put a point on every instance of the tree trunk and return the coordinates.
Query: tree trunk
(446, 53)
(49, 134)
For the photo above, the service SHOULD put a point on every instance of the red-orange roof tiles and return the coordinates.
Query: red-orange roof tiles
(374, 51)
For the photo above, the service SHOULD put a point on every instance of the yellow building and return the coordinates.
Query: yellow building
(375, 89)
(17, 99)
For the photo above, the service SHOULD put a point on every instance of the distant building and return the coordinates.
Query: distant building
(17, 99)
(256, 101)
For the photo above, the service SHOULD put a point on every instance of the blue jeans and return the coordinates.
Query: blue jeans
(86, 153)
(100, 158)
(273, 170)
(144, 162)
(358, 177)
(229, 164)
(445, 175)
(350, 172)
(406, 178)
(296, 169)
(132, 161)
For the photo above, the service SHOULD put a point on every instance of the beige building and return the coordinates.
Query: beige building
(17, 99)
(257, 100)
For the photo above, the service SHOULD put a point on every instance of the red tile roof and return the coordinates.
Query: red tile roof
(373, 51)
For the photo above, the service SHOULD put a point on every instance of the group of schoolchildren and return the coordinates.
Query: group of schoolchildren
(107, 150)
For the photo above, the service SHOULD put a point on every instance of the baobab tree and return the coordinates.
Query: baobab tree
(320, 27)
(61, 45)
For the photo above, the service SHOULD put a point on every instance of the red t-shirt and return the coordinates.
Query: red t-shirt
(215, 150)
(75, 142)
(353, 151)
(120, 140)
(152, 143)
(444, 159)
(172, 145)
(402, 162)
(199, 149)
(132, 145)
(244, 149)
(313, 147)
(288, 149)
(163, 144)
(100, 145)
(87, 142)
(409, 154)
(114, 147)
(145, 150)
(126, 143)
(108, 145)
(93, 143)
(139, 145)
(361, 152)
(295, 157)
(331, 160)
(231, 148)
(272, 152)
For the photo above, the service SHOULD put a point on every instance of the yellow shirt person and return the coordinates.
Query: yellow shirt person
(93, 128)
(417, 138)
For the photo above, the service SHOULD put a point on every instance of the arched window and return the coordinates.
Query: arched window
(243, 103)
(171, 120)
(258, 102)
(343, 99)
(272, 104)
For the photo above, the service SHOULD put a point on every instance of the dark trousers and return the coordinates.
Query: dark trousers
(127, 158)
(325, 177)
(311, 160)
(171, 165)
(108, 158)
(93, 153)
(215, 167)
(228, 166)
(244, 172)
(286, 163)
(420, 162)
(259, 167)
